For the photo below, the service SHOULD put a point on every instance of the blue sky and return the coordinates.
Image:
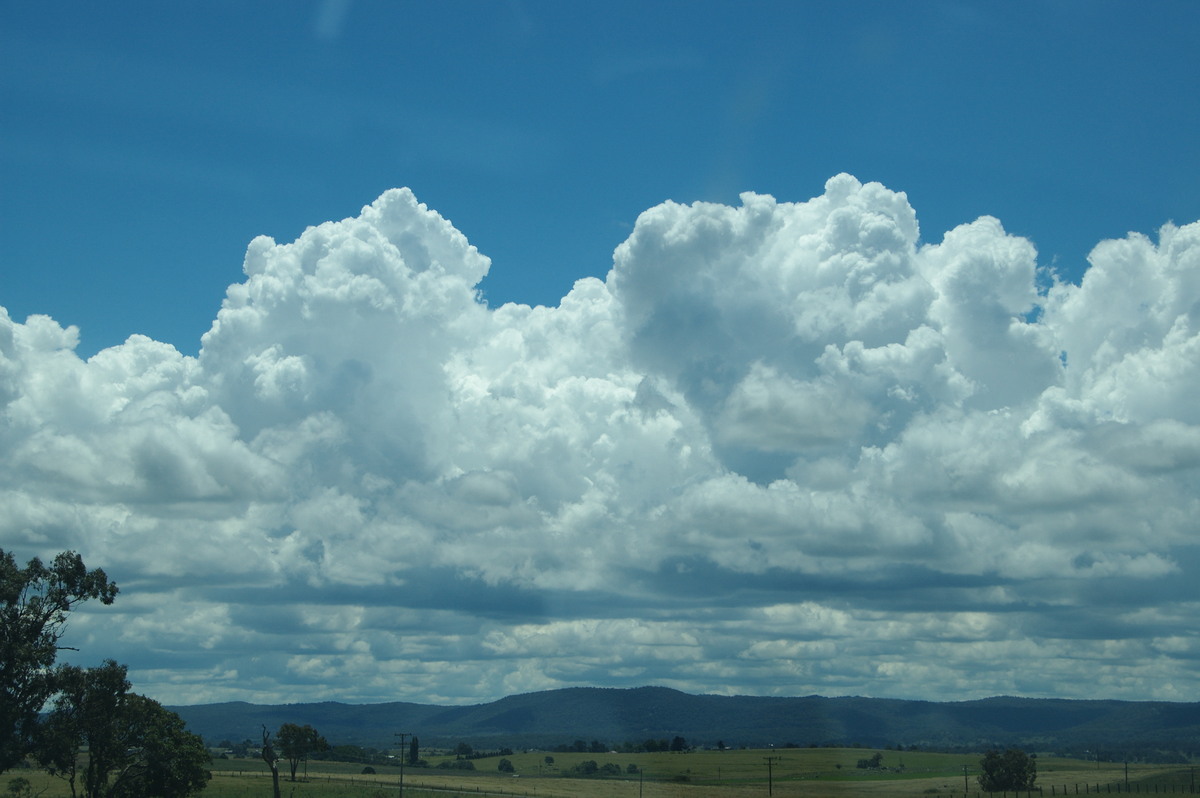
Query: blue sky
(145, 144)
(735, 347)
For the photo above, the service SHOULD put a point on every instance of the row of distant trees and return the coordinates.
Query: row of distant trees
(646, 746)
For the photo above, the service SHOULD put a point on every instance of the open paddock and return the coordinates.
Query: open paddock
(794, 773)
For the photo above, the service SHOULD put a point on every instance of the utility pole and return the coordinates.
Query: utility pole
(403, 756)
(966, 786)
(771, 760)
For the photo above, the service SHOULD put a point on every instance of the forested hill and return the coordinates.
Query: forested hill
(615, 716)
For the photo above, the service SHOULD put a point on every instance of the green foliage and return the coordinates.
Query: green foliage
(238, 749)
(505, 766)
(355, 753)
(168, 761)
(134, 747)
(34, 604)
(590, 768)
(296, 743)
(20, 788)
(1011, 770)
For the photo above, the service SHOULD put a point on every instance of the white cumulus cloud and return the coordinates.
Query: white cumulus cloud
(785, 447)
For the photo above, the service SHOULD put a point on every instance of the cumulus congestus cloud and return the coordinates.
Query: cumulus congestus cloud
(782, 448)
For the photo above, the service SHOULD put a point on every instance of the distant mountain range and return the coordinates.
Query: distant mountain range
(615, 716)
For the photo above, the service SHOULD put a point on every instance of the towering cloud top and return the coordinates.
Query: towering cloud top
(783, 447)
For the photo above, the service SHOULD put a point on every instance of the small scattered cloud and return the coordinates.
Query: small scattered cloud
(618, 67)
(330, 18)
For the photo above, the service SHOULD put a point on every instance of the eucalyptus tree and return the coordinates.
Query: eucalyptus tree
(107, 742)
(296, 743)
(1011, 770)
(35, 602)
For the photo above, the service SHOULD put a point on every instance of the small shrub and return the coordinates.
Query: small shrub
(368, 771)
(20, 787)
(505, 766)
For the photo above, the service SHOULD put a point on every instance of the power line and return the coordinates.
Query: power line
(403, 756)
(771, 760)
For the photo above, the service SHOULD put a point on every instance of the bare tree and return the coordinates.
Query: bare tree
(268, 755)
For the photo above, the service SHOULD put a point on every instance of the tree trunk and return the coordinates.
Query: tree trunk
(268, 755)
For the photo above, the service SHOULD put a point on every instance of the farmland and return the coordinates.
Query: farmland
(807, 773)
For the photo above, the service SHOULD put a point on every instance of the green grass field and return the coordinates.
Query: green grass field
(808, 772)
